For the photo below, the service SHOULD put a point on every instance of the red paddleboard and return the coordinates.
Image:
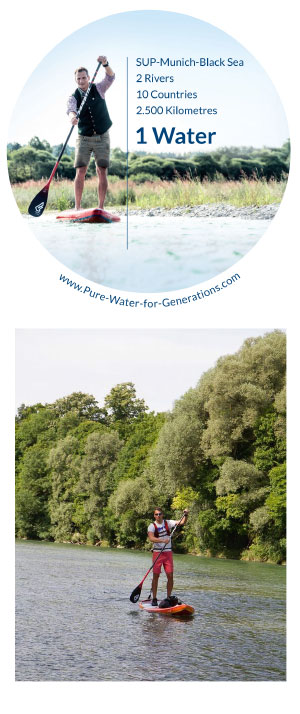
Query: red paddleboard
(181, 609)
(88, 215)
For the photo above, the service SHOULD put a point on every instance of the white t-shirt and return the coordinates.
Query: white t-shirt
(161, 533)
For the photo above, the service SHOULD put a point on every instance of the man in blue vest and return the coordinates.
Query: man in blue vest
(93, 129)
(159, 534)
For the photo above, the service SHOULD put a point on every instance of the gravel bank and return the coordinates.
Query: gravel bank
(209, 210)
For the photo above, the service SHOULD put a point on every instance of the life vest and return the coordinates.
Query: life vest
(156, 533)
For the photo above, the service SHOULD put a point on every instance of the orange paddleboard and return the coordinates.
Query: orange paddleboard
(181, 609)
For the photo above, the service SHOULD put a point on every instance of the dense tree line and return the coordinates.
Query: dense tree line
(90, 474)
(36, 160)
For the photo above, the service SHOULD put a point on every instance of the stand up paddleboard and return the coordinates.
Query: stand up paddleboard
(182, 609)
(88, 215)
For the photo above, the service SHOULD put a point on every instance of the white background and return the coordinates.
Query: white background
(266, 296)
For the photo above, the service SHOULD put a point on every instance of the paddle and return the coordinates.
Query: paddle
(38, 204)
(135, 595)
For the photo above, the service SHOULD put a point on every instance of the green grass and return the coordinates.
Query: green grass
(150, 194)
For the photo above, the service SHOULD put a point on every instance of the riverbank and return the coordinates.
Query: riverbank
(208, 210)
(246, 555)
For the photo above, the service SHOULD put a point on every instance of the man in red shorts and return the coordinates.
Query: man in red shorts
(159, 534)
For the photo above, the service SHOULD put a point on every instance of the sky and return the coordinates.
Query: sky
(249, 111)
(162, 364)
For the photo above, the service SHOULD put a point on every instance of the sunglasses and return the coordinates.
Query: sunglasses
(158, 514)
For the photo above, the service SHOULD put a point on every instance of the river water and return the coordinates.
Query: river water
(75, 622)
(164, 253)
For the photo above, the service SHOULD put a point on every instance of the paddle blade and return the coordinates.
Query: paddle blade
(38, 204)
(135, 595)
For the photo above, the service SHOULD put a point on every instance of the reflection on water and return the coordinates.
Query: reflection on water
(74, 620)
(164, 253)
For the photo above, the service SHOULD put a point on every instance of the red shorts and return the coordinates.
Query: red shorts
(165, 559)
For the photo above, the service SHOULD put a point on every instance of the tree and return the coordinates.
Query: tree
(122, 403)
(21, 164)
(117, 168)
(23, 411)
(37, 426)
(64, 468)
(270, 441)
(276, 501)
(95, 482)
(131, 502)
(238, 391)
(69, 151)
(286, 150)
(32, 494)
(176, 459)
(84, 405)
(36, 143)
(206, 166)
(13, 146)
(117, 153)
(151, 166)
(99, 471)
(66, 168)
(214, 434)
(133, 456)
(238, 477)
(269, 521)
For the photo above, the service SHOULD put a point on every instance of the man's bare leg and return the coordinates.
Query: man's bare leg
(154, 585)
(78, 185)
(169, 584)
(102, 185)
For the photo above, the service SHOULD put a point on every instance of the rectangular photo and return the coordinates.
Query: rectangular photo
(150, 505)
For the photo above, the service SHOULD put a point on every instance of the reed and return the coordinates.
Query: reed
(150, 194)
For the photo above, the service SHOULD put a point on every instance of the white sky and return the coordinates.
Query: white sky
(162, 364)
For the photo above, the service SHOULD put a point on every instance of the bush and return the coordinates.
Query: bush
(266, 551)
(63, 203)
(142, 177)
(120, 198)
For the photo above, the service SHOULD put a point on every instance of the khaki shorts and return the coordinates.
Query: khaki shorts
(98, 144)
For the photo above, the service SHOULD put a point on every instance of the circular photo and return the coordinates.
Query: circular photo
(148, 151)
